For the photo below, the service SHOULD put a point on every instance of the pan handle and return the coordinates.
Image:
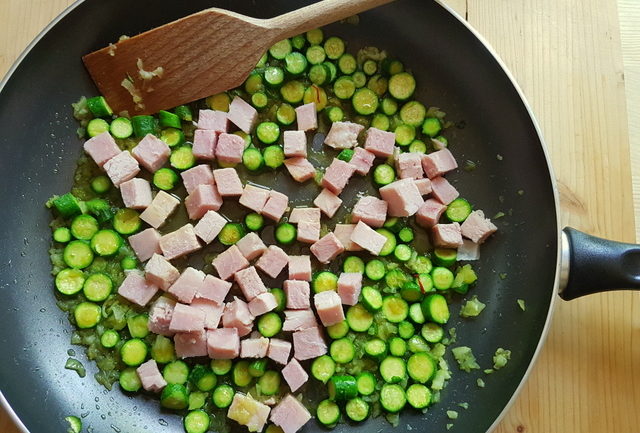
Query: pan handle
(590, 265)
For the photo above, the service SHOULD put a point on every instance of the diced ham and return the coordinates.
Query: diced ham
(409, 165)
(250, 283)
(349, 286)
(213, 120)
(204, 198)
(186, 318)
(228, 182)
(179, 242)
(162, 205)
(160, 315)
(307, 117)
(160, 272)
(337, 175)
(379, 142)
(308, 232)
(254, 347)
(204, 144)
(362, 160)
(370, 210)
(300, 268)
(223, 343)
(368, 238)
(469, 250)
(295, 144)
(152, 153)
(438, 163)
(343, 135)
(329, 307)
(447, 235)
(145, 244)
(214, 289)
(254, 197)
(308, 344)
(275, 206)
(262, 304)
(251, 246)
(187, 285)
(242, 114)
(101, 148)
(229, 148)
(136, 289)
(191, 344)
(150, 376)
(212, 311)
(402, 196)
(300, 169)
(328, 202)
(327, 248)
(290, 415)
(279, 350)
(430, 212)
(209, 226)
(248, 412)
(121, 168)
(196, 176)
(237, 315)
(136, 193)
(273, 261)
(229, 262)
(298, 294)
(343, 233)
(423, 185)
(297, 320)
(477, 227)
(295, 375)
(311, 214)
(443, 190)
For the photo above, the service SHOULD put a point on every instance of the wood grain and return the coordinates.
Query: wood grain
(566, 56)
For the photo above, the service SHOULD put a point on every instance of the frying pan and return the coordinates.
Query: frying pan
(39, 146)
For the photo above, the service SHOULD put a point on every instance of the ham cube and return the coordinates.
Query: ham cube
(295, 144)
(349, 286)
(279, 350)
(402, 197)
(248, 412)
(152, 153)
(379, 142)
(327, 248)
(209, 226)
(136, 193)
(362, 160)
(179, 243)
(162, 205)
(237, 315)
(307, 117)
(121, 168)
(251, 246)
(187, 285)
(186, 318)
(150, 376)
(223, 343)
(367, 238)
(308, 232)
(262, 304)
(212, 312)
(160, 315)
(196, 176)
(329, 307)
(477, 227)
(469, 250)
(300, 169)
(310, 214)
(136, 289)
(300, 268)
(343, 135)
(250, 283)
(101, 148)
(213, 120)
(308, 344)
(229, 148)
(290, 415)
(273, 261)
(438, 163)
(371, 210)
(229, 262)
(254, 197)
(328, 202)
(409, 165)
(297, 320)
(295, 375)
(298, 293)
(214, 289)
(228, 182)
(190, 344)
(160, 272)
(430, 212)
(145, 243)
(204, 198)
(275, 206)
(343, 233)
(423, 185)
(242, 114)
(337, 175)
(254, 347)
(204, 144)
(447, 235)
(443, 190)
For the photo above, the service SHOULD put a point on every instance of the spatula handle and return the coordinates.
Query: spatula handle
(317, 15)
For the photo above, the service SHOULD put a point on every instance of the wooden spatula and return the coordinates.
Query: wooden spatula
(199, 55)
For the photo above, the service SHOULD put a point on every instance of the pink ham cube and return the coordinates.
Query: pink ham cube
(223, 343)
(371, 210)
(438, 163)
(308, 232)
(273, 261)
(136, 289)
(242, 114)
(214, 289)
(179, 243)
(160, 315)
(447, 235)
(298, 294)
(409, 165)
(343, 135)
(150, 376)
(152, 153)
(229, 262)
(402, 197)
(190, 344)
(295, 375)
(379, 142)
(209, 226)
(329, 307)
(279, 350)
(204, 198)
(328, 202)
(343, 233)
(423, 185)
(430, 212)
(229, 148)
(162, 205)
(204, 144)
(121, 168)
(275, 206)
(160, 272)
(136, 193)
(295, 144)
(307, 117)
(308, 344)
(237, 315)
(300, 268)
(337, 175)
(254, 347)
(300, 169)
(310, 214)
(213, 120)
(196, 176)
(254, 197)
(367, 238)
(212, 312)
(262, 304)
(228, 182)
(251, 246)
(443, 190)
(297, 320)
(187, 285)
(477, 227)
(248, 412)
(186, 318)
(250, 283)
(349, 286)
(290, 415)
(362, 160)
(145, 244)
(101, 148)
(327, 248)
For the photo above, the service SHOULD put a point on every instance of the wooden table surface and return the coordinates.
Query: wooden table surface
(567, 56)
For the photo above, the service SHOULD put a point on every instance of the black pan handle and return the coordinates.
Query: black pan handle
(597, 265)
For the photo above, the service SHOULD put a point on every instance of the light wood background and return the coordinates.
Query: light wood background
(573, 59)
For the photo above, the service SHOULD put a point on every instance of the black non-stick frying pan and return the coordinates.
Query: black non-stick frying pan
(455, 71)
